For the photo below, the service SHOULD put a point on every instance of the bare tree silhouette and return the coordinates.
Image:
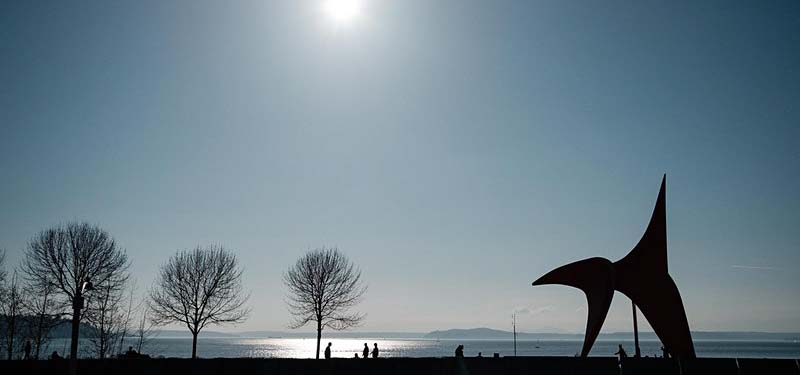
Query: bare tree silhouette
(11, 311)
(47, 311)
(144, 331)
(128, 316)
(2, 270)
(323, 285)
(71, 257)
(105, 313)
(197, 288)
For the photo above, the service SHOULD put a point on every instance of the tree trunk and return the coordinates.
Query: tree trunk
(103, 343)
(11, 335)
(38, 341)
(319, 336)
(40, 328)
(194, 345)
(77, 304)
(76, 320)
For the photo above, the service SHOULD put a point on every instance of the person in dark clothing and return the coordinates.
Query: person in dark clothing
(365, 352)
(665, 352)
(27, 350)
(131, 353)
(375, 351)
(621, 352)
(460, 351)
(55, 355)
(328, 351)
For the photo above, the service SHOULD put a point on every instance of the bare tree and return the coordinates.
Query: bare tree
(197, 288)
(70, 256)
(2, 276)
(11, 311)
(105, 314)
(44, 309)
(323, 285)
(2, 296)
(144, 329)
(128, 318)
(2, 270)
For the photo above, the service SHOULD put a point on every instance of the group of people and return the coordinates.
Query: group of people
(621, 353)
(133, 354)
(365, 353)
(375, 352)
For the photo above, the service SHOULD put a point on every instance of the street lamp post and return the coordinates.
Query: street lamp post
(77, 305)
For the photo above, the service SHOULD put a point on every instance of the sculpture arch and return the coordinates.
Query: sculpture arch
(643, 276)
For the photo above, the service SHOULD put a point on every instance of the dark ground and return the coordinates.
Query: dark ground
(415, 366)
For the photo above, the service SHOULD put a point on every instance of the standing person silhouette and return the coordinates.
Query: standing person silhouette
(621, 353)
(375, 351)
(328, 351)
(460, 351)
(27, 350)
(365, 353)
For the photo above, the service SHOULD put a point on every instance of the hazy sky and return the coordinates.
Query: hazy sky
(455, 150)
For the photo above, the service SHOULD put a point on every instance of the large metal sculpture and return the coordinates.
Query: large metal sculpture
(642, 276)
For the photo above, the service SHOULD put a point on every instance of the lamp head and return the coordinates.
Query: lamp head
(87, 286)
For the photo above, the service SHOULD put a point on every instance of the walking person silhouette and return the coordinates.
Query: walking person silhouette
(621, 353)
(374, 351)
(366, 351)
(27, 350)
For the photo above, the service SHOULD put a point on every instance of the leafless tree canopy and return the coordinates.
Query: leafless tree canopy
(11, 311)
(126, 324)
(46, 311)
(2, 269)
(70, 254)
(198, 288)
(104, 312)
(28, 311)
(144, 330)
(323, 286)
(66, 256)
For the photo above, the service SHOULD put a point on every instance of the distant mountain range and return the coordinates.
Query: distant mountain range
(63, 330)
(482, 334)
(493, 334)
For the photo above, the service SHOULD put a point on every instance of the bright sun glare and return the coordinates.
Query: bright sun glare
(342, 11)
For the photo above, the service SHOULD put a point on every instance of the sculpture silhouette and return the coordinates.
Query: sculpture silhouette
(642, 276)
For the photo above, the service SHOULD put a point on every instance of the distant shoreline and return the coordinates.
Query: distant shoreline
(491, 334)
(62, 331)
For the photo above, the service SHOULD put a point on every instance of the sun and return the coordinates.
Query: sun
(342, 12)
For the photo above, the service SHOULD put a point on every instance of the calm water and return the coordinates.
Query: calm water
(345, 348)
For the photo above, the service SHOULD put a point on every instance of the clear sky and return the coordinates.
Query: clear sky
(455, 150)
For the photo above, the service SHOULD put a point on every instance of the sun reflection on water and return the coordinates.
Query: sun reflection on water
(305, 348)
